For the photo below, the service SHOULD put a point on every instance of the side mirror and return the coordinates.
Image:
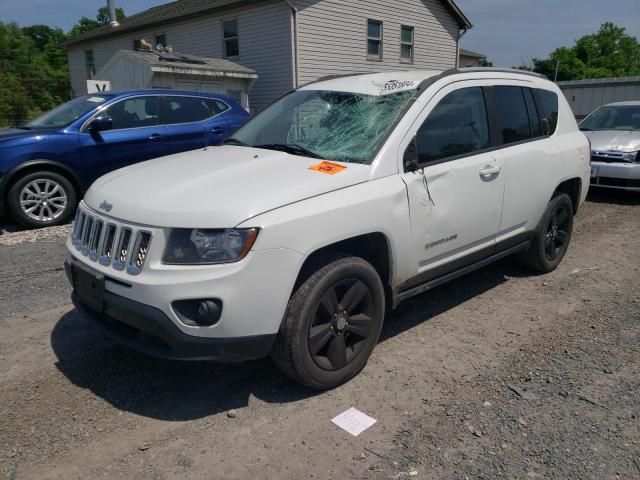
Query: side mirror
(410, 159)
(546, 127)
(100, 124)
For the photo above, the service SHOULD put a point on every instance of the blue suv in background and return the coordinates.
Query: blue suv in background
(47, 164)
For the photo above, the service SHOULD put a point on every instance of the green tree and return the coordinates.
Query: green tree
(608, 53)
(103, 15)
(102, 18)
(28, 83)
(34, 74)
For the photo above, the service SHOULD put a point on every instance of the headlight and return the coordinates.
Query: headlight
(630, 156)
(207, 247)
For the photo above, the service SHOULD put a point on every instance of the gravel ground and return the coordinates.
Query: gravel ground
(500, 374)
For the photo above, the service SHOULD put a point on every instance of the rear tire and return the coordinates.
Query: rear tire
(42, 199)
(332, 323)
(552, 236)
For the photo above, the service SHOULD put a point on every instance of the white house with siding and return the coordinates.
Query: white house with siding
(287, 42)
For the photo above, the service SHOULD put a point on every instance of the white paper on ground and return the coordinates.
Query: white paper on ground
(354, 421)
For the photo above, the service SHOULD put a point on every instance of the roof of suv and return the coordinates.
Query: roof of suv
(392, 82)
(159, 91)
(628, 103)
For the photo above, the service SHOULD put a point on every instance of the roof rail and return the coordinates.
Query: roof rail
(499, 70)
(431, 80)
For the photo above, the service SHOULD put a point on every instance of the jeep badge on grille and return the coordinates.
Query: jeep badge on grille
(106, 206)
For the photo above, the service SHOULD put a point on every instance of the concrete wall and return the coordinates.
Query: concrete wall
(587, 95)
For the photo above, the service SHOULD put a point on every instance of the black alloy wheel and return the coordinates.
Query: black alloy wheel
(332, 322)
(555, 240)
(551, 238)
(342, 323)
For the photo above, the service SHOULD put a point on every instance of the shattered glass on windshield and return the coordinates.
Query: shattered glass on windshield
(340, 126)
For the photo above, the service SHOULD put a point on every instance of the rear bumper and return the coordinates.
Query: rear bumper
(625, 176)
(148, 330)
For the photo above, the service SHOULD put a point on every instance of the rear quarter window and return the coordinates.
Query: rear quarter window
(549, 102)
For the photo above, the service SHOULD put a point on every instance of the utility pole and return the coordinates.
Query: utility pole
(555, 77)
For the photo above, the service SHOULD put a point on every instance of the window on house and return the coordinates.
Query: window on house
(161, 40)
(89, 63)
(230, 36)
(406, 44)
(374, 40)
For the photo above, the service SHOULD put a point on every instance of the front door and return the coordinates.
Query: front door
(455, 195)
(136, 135)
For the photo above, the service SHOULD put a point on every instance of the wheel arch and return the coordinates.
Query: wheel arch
(374, 247)
(573, 188)
(31, 166)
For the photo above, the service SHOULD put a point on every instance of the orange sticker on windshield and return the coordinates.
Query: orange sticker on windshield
(329, 168)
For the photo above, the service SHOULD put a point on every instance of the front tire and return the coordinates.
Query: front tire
(552, 236)
(332, 323)
(42, 199)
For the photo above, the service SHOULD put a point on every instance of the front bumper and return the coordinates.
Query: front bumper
(148, 330)
(624, 176)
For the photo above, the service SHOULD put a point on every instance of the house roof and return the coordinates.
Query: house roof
(197, 66)
(180, 9)
(469, 53)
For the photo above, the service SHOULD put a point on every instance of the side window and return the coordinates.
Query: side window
(512, 112)
(549, 102)
(534, 117)
(457, 125)
(230, 38)
(134, 112)
(190, 109)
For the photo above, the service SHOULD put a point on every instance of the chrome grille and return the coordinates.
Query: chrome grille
(141, 249)
(118, 246)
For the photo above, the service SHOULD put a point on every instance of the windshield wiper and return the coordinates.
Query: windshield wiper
(585, 129)
(292, 148)
(235, 141)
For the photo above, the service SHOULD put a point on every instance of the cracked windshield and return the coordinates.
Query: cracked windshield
(340, 126)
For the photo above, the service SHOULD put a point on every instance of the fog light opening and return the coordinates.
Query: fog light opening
(204, 312)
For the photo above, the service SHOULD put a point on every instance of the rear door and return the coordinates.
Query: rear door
(530, 161)
(455, 195)
(136, 135)
(194, 122)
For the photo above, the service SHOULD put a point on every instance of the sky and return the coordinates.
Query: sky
(509, 32)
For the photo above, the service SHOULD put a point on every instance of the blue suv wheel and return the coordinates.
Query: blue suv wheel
(42, 199)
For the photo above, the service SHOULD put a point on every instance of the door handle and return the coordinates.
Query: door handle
(217, 130)
(488, 170)
(155, 137)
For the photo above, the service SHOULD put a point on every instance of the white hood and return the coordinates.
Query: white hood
(614, 140)
(219, 187)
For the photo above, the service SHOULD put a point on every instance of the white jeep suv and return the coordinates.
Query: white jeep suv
(330, 207)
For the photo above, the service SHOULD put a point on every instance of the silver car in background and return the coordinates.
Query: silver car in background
(614, 132)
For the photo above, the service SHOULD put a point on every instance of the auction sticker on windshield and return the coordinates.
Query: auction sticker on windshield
(329, 168)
